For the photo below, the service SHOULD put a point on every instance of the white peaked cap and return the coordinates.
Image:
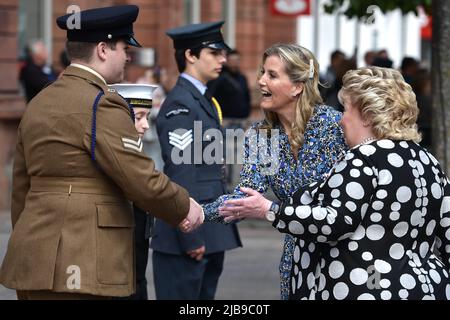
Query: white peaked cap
(134, 91)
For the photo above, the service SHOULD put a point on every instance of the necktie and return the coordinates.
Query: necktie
(215, 103)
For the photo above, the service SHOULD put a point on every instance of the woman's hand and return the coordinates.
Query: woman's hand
(253, 206)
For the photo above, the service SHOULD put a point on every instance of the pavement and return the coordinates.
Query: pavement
(250, 273)
(5, 229)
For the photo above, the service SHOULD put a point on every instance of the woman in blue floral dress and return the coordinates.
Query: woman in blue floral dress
(297, 142)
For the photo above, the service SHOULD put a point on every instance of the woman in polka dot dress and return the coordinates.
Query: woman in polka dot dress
(307, 133)
(378, 227)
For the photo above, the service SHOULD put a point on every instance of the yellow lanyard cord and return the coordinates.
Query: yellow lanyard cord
(218, 108)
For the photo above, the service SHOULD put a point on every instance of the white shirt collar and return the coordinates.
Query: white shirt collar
(86, 68)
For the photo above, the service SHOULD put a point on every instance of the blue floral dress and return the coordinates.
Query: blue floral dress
(265, 166)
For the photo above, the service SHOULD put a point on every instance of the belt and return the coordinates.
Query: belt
(74, 185)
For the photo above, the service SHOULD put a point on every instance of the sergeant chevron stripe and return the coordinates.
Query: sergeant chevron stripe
(133, 145)
(181, 141)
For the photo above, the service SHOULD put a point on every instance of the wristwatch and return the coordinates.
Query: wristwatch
(273, 211)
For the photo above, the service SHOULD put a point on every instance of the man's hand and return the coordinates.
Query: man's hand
(198, 253)
(194, 218)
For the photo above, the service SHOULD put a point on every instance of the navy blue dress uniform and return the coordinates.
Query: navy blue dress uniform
(77, 165)
(184, 105)
(139, 96)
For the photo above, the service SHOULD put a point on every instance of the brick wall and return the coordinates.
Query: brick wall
(8, 39)
(256, 29)
(11, 103)
(161, 15)
(279, 29)
(212, 10)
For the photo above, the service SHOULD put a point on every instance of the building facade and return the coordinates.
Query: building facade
(249, 27)
(12, 103)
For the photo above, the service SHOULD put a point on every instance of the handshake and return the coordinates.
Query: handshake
(194, 218)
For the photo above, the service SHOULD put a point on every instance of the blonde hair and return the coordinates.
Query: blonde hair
(385, 100)
(296, 62)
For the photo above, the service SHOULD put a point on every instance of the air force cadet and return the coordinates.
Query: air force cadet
(77, 164)
(200, 55)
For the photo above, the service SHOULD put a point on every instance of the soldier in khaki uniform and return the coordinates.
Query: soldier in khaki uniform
(78, 162)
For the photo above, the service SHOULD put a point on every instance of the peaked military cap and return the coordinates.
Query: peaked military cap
(137, 95)
(206, 35)
(101, 24)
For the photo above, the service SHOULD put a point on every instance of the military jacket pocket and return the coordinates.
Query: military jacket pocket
(114, 244)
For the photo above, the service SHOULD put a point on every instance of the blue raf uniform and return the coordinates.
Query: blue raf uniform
(185, 104)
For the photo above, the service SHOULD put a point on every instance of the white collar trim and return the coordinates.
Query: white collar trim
(86, 68)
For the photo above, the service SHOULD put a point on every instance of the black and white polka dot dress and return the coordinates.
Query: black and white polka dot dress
(377, 228)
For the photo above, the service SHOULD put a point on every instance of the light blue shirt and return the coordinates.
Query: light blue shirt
(197, 83)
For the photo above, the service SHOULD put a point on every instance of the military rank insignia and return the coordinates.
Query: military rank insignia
(177, 112)
(181, 141)
(133, 145)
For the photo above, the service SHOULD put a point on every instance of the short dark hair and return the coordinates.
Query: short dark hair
(337, 53)
(382, 62)
(83, 50)
(64, 58)
(408, 62)
(181, 59)
(233, 51)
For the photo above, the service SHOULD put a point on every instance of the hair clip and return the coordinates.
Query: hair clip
(311, 68)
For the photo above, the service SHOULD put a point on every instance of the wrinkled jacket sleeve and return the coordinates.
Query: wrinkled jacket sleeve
(333, 209)
(254, 173)
(119, 153)
(20, 182)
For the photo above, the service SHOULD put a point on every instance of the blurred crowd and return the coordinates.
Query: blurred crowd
(231, 89)
(413, 71)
